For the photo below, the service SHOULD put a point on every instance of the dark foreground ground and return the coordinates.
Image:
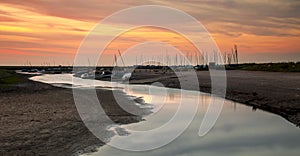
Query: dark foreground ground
(276, 92)
(39, 119)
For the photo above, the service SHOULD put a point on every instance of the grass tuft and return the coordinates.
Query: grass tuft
(8, 77)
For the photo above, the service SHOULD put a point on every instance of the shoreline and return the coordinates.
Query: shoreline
(41, 119)
(274, 92)
(32, 119)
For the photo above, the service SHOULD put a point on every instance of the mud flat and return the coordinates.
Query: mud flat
(39, 119)
(276, 92)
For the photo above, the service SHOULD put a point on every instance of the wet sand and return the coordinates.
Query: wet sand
(39, 119)
(276, 92)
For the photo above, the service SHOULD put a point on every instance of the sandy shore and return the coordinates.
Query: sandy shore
(39, 119)
(276, 92)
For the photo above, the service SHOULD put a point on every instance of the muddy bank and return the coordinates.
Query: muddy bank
(276, 92)
(39, 119)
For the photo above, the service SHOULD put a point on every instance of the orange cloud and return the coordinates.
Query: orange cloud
(146, 34)
(37, 29)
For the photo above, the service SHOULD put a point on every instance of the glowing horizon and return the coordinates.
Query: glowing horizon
(48, 31)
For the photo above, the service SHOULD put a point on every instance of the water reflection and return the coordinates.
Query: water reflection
(239, 131)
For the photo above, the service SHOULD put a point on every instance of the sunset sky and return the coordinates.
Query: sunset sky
(51, 30)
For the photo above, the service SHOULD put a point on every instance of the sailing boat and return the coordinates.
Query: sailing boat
(120, 73)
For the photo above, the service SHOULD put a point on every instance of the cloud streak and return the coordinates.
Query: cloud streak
(48, 25)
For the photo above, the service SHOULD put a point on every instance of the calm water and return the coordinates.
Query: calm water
(239, 130)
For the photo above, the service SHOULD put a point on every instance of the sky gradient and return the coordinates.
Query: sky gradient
(42, 31)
